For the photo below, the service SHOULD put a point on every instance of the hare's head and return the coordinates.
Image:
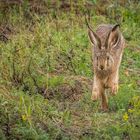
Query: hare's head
(104, 51)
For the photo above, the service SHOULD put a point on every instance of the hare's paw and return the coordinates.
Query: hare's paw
(95, 95)
(114, 89)
(104, 108)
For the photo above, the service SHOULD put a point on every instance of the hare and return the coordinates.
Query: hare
(108, 44)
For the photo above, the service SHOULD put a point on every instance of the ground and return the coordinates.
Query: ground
(46, 72)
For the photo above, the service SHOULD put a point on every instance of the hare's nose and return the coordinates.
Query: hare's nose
(101, 67)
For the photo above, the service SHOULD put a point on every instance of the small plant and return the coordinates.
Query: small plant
(132, 119)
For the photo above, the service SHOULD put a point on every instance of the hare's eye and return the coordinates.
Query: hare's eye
(97, 60)
(107, 57)
(108, 60)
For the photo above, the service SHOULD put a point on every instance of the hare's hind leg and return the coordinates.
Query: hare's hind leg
(104, 100)
(95, 90)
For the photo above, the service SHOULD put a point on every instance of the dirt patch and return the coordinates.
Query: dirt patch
(68, 91)
(5, 32)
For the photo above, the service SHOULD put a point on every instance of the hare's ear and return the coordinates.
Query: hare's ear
(113, 37)
(95, 40)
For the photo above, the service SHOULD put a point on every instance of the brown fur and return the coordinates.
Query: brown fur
(108, 45)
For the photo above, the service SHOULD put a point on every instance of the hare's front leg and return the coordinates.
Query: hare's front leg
(95, 90)
(113, 82)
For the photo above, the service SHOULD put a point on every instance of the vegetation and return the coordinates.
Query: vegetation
(46, 71)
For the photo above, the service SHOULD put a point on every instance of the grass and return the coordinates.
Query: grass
(46, 74)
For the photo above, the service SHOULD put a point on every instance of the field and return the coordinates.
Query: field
(46, 71)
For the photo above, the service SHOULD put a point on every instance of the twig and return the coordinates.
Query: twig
(32, 77)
